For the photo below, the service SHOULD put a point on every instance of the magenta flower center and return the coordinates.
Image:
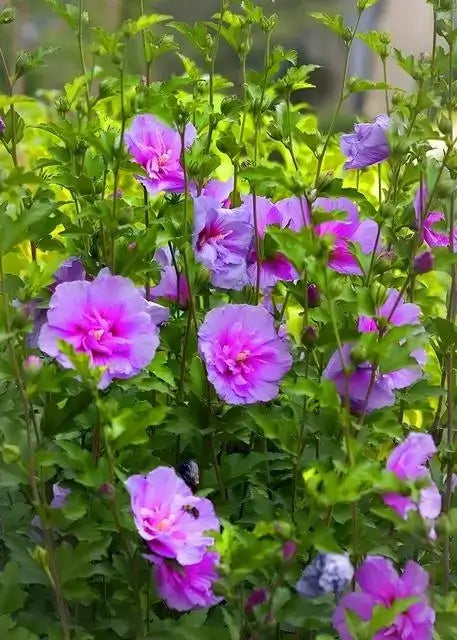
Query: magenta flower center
(98, 336)
(212, 234)
(155, 523)
(156, 165)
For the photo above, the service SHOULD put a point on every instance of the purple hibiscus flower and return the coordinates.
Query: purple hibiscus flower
(346, 232)
(221, 240)
(219, 190)
(244, 356)
(381, 585)
(157, 148)
(365, 391)
(107, 319)
(187, 587)
(169, 517)
(367, 145)
(426, 221)
(408, 462)
(172, 286)
(274, 267)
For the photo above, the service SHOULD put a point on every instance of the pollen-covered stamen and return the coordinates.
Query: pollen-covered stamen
(243, 355)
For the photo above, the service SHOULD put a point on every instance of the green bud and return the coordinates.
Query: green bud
(7, 15)
(387, 210)
(81, 146)
(385, 37)
(10, 453)
(442, 27)
(107, 87)
(116, 59)
(24, 63)
(324, 180)
(62, 106)
(347, 35)
(358, 354)
(445, 125)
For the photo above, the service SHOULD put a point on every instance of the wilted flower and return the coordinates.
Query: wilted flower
(107, 319)
(367, 145)
(380, 585)
(274, 267)
(187, 587)
(426, 221)
(407, 462)
(157, 148)
(169, 517)
(258, 596)
(245, 359)
(424, 262)
(172, 286)
(326, 573)
(221, 240)
(365, 392)
(190, 473)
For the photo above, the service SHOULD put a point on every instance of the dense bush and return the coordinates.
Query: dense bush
(228, 341)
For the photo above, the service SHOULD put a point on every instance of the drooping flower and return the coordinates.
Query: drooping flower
(426, 221)
(221, 240)
(346, 232)
(274, 267)
(381, 585)
(169, 517)
(107, 319)
(368, 144)
(157, 148)
(172, 286)
(326, 573)
(365, 392)
(408, 463)
(394, 311)
(245, 359)
(187, 587)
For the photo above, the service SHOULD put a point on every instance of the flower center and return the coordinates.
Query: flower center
(243, 355)
(163, 159)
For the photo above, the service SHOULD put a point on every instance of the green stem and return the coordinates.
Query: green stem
(384, 74)
(10, 85)
(82, 58)
(211, 74)
(117, 166)
(340, 98)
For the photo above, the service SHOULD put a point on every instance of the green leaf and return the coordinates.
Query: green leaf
(334, 22)
(12, 597)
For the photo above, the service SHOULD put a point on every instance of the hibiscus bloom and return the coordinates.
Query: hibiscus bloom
(171, 520)
(368, 144)
(407, 462)
(365, 392)
(244, 356)
(274, 267)
(380, 585)
(107, 319)
(345, 233)
(157, 148)
(221, 240)
(426, 221)
(187, 587)
(172, 285)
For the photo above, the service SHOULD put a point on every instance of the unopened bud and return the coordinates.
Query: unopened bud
(2, 127)
(289, 550)
(309, 336)
(314, 296)
(32, 364)
(7, 15)
(107, 490)
(424, 262)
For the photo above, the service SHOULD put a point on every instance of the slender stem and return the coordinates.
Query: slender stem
(290, 140)
(147, 285)
(212, 69)
(384, 73)
(31, 466)
(235, 199)
(145, 48)
(378, 233)
(81, 56)
(117, 165)
(217, 468)
(340, 99)
(10, 85)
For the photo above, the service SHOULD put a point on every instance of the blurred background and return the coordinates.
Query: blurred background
(408, 21)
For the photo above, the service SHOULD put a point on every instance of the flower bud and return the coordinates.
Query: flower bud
(62, 106)
(358, 354)
(445, 125)
(309, 336)
(327, 573)
(289, 550)
(32, 364)
(7, 15)
(424, 262)
(314, 296)
(2, 127)
(107, 490)
(258, 596)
